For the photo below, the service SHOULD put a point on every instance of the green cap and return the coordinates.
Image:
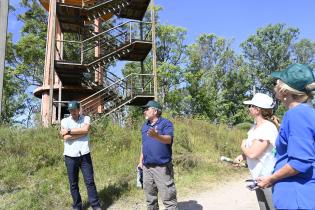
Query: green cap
(297, 76)
(73, 105)
(153, 104)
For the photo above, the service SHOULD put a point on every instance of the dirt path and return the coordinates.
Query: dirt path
(229, 195)
(226, 196)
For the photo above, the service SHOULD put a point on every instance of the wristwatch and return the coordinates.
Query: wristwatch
(69, 131)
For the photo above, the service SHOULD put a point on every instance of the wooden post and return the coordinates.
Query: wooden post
(47, 96)
(155, 80)
(4, 8)
(59, 45)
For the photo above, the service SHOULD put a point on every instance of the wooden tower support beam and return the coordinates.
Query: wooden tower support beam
(4, 7)
(155, 80)
(47, 96)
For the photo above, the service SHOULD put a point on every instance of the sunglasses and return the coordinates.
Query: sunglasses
(146, 109)
(251, 106)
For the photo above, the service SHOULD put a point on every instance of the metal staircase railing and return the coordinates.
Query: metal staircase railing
(117, 94)
(113, 44)
(96, 9)
(110, 42)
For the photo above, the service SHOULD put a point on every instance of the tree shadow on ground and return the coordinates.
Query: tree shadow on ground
(109, 194)
(189, 205)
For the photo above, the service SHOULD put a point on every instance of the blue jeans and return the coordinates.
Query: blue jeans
(73, 165)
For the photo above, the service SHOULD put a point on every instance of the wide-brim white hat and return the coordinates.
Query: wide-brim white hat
(261, 100)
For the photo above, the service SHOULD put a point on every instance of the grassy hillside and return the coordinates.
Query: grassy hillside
(33, 174)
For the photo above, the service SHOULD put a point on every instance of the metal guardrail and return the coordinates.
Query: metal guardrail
(118, 92)
(83, 52)
(92, 4)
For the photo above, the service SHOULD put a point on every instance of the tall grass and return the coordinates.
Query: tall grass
(33, 174)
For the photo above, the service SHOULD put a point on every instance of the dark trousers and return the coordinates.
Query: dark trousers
(73, 165)
(264, 197)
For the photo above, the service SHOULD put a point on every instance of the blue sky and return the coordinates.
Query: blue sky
(232, 19)
(237, 19)
(14, 26)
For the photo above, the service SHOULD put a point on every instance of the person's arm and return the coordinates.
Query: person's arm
(167, 134)
(165, 139)
(284, 172)
(76, 133)
(256, 149)
(72, 136)
(81, 131)
(140, 165)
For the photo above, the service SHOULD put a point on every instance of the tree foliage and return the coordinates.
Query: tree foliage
(24, 64)
(13, 89)
(30, 49)
(305, 52)
(217, 80)
(268, 50)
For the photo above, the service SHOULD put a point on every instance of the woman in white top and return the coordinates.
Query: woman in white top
(258, 148)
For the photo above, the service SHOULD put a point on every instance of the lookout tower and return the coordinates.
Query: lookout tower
(82, 42)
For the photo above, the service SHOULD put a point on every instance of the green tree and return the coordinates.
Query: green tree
(13, 89)
(269, 50)
(171, 52)
(305, 52)
(209, 59)
(217, 80)
(235, 87)
(24, 64)
(30, 49)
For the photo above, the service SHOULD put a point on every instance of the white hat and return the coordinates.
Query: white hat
(261, 100)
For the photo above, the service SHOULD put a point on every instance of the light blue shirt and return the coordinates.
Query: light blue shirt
(80, 146)
(295, 146)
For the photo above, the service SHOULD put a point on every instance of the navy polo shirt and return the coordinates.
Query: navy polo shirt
(155, 152)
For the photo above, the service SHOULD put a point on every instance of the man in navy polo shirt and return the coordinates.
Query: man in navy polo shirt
(156, 158)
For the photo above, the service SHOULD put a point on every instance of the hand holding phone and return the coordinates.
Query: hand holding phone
(253, 184)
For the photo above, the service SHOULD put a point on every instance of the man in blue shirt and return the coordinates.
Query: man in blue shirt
(156, 158)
